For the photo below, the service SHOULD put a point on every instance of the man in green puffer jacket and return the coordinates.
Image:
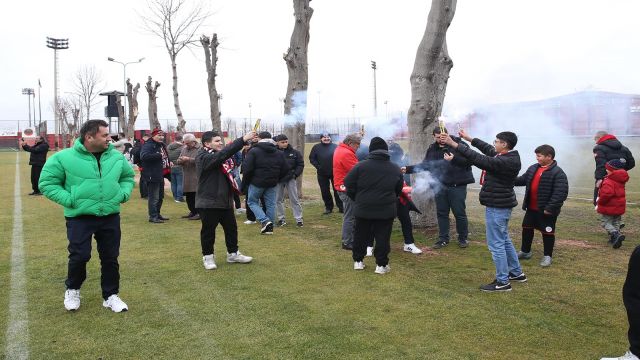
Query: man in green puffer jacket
(90, 180)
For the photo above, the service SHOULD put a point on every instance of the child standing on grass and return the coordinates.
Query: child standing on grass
(611, 200)
(547, 189)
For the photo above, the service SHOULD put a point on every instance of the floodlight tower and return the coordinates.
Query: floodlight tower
(56, 44)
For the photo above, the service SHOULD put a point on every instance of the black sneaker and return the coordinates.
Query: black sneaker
(282, 223)
(520, 278)
(496, 286)
(267, 228)
(327, 212)
(156, 221)
(617, 240)
(299, 224)
(440, 244)
(163, 218)
(463, 244)
(347, 247)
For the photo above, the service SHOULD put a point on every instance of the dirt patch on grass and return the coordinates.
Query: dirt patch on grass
(318, 226)
(576, 243)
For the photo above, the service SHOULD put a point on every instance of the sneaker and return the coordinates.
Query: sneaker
(327, 212)
(282, 223)
(163, 218)
(627, 356)
(617, 240)
(114, 303)
(382, 269)
(72, 299)
(267, 228)
(546, 261)
(358, 265)
(249, 222)
(237, 257)
(195, 217)
(347, 247)
(187, 216)
(520, 278)
(463, 244)
(369, 251)
(440, 244)
(156, 221)
(299, 224)
(240, 211)
(209, 262)
(496, 286)
(524, 255)
(412, 248)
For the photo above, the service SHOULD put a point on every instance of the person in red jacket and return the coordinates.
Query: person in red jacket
(611, 200)
(344, 159)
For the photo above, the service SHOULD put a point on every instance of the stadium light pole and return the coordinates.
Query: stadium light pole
(29, 92)
(56, 44)
(124, 82)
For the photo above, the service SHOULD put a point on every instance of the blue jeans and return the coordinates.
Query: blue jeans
(500, 245)
(269, 196)
(176, 182)
(155, 198)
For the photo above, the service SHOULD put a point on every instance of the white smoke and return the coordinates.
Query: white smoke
(298, 109)
(425, 185)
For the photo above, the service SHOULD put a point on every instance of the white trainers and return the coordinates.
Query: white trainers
(382, 269)
(114, 303)
(237, 257)
(249, 222)
(369, 250)
(412, 248)
(546, 261)
(209, 262)
(358, 265)
(627, 356)
(72, 299)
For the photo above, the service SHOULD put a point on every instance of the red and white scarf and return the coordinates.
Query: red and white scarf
(227, 170)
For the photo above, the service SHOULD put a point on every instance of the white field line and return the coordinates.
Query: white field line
(17, 336)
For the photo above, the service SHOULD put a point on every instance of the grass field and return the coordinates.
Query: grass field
(301, 299)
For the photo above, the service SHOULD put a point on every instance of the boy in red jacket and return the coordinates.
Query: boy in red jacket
(611, 201)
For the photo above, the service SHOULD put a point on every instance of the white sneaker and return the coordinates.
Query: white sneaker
(412, 248)
(237, 257)
(358, 265)
(209, 262)
(114, 303)
(546, 261)
(369, 250)
(249, 222)
(627, 356)
(72, 299)
(382, 269)
(241, 211)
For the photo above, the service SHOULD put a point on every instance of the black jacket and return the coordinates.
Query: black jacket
(611, 148)
(553, 187)
(375, 184)
(214, 190)
(295, 163)
(321, 157)
(38, 152)
(151, 161)
(454, 172)
(501, 173)
(264, 166)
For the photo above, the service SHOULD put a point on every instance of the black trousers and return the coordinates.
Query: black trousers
(405, 223)
(156, 197)
(236, 201)
(546, 224)
(106, 230)
(210, 219)
(191, 201)
(326, 184)
(144, 192)
(368, 230)
(631, 298)
(35, 177)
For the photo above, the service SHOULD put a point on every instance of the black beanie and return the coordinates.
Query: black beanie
(377, 143)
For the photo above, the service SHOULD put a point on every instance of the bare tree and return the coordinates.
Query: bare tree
(295, 103)
(88, 84)
(176, 26)
(69, 106)
(132, 96)
(210, 47)
(154, 123)
(428, 86)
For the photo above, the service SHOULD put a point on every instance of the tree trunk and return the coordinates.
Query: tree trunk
(121, 123)
(428, 86)
(295, 103)
(132, 96)
(154, 123)
(176, 102)
(211, 61)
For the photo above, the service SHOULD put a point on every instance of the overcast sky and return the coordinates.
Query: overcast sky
(503, 50)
